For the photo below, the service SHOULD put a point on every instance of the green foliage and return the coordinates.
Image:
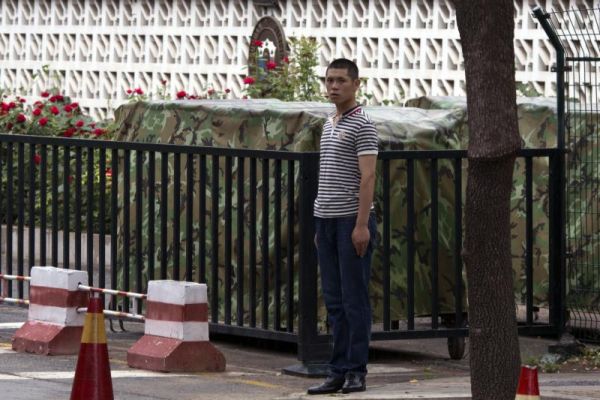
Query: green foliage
(294, 79)
(527, 90)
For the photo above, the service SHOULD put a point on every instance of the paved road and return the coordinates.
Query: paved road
(409, 369)
(253, 372)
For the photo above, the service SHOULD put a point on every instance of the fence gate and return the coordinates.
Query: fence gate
(575, 34)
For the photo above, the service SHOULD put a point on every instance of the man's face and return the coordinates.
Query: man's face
(341, 88)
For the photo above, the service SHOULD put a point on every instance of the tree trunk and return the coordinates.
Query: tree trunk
(487, 29)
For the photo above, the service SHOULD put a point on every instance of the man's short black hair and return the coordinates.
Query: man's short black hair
(344, 63)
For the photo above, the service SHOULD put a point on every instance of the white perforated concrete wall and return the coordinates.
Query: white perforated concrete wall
(99, 48)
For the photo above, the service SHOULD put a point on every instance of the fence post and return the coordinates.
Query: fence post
(313, 349)
(557, 249)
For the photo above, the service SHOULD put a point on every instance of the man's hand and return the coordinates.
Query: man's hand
(360, 239)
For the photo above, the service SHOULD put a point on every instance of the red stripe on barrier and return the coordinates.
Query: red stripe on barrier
(54, 297)
(176, 312)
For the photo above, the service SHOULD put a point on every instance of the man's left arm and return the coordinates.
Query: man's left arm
(360, 234)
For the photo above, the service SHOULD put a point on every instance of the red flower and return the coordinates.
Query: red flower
(193, 97)
(211, 92)
(39, 104)
(99, 132)
(23, 100)
(164, 82)
(129, 91)
(37, 159)
(43, 121)
(5, 107)
(44, 94)
(37, 112)
(54, 110)
(249, 80)
(108, 172)
(79, 123)
(21, 118)
(11, 105)
(68, 109)
(9, 126)
(271, 65)
(56, 98)
(227, 90)
(69, 132)
(286, 60)
(53, 99)
(92, 125)
(139, 91)
(74, 105)
(257, 43)
(181, 94)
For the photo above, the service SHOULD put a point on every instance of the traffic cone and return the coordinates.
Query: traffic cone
(92, 375)
(528, 384)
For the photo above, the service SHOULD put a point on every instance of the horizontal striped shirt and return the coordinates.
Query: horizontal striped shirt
(339, 175)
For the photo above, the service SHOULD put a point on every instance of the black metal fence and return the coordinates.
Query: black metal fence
(241, 221)
(575, 35)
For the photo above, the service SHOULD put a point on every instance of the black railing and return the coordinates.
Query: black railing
(241, 221)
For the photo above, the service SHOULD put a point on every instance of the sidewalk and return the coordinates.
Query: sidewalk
(404, 369)
(553, 386)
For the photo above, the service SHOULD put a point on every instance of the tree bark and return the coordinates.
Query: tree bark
(487, 30)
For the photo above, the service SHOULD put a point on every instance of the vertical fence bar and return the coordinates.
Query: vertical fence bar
(31, 211)
(189, 216)
(151, 199)
(164, 183)
(102, 219)
(139, 238)
(529, 239)
(90, 215)
(54, 205)
(202, 222)
(66, 198)
(43, 200)
(410, 240)
(114, 208)
(240, 241)
(20, 214)
(458, 264)
(78, 205)
(434, 243)
(214, 229)
(386, 244)
(126, 224)
(227, 239)
(277, 244)
(9, 214)
(2, 197)
(310, 348)
(265, 243)
(252, 247)
(176, 214)
(291, 223)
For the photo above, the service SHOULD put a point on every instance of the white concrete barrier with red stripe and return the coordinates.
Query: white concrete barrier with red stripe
(176, 330)
(53, 325)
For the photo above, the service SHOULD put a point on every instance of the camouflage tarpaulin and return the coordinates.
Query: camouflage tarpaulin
(276, 125)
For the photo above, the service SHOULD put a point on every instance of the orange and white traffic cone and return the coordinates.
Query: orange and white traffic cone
(528, 384)
(92, 375)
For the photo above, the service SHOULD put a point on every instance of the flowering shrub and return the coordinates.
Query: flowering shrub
(293, 79)
(53, 115)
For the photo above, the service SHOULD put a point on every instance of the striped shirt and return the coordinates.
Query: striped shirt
(339, 175)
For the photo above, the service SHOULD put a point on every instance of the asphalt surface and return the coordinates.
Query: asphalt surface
(408, 369)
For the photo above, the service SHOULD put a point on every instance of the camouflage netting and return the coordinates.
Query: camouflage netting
(426, 124)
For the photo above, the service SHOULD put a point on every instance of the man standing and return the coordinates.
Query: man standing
(346, 228)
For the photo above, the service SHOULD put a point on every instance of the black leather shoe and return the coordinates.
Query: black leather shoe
(354, 383)
(331, 385)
